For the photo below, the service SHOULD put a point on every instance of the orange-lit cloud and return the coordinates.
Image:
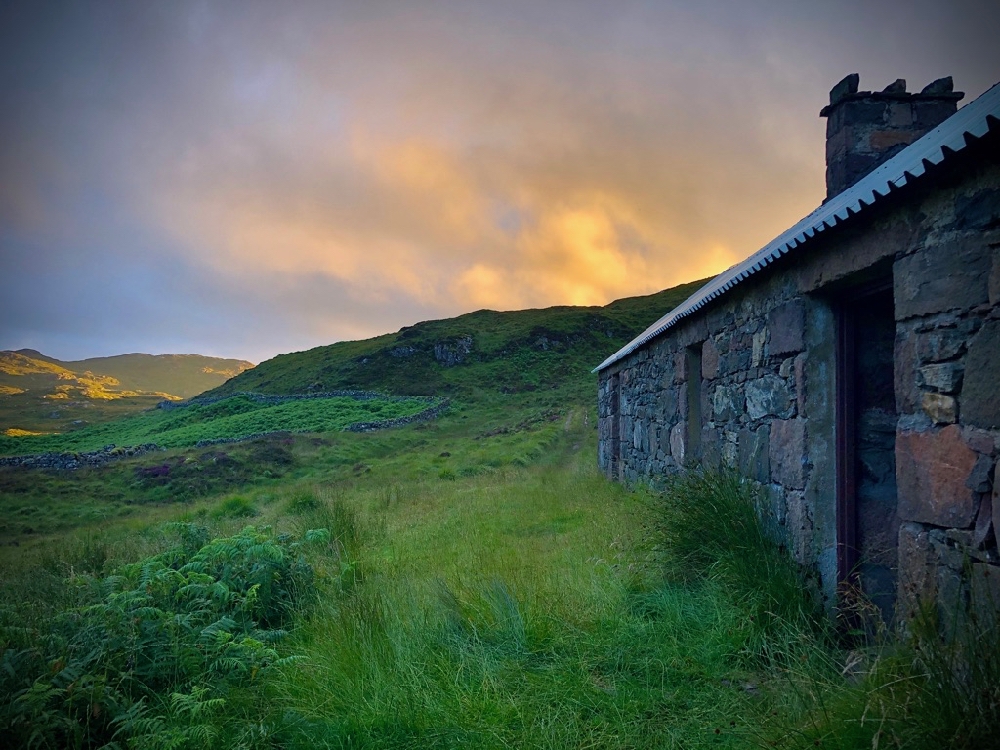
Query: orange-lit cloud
(276, 178)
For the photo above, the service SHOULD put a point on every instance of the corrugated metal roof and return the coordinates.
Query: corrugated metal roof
(970, 122)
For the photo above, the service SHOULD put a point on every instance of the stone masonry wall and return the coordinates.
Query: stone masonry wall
(767, 387)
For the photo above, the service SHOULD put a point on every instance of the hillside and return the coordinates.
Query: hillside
(39, 393)
(480, 353)
(183, 375)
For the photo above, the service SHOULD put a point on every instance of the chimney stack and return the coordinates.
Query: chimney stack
(866, 128)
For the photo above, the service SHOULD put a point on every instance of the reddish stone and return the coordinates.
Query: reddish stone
(931, 471)
(882, 140)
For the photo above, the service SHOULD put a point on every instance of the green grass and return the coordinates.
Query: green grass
(526, 605)
(234, 417)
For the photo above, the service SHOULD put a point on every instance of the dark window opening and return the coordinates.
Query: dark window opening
(867, 523)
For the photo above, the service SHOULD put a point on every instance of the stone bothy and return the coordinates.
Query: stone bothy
(852, 366)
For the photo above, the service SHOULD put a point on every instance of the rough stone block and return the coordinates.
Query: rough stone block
(940, 408)
(788, 456)
(755, 453)
(769, 395)
(944, 378)
(981, 441)
(931, 470)
(668, 403)
(709, 360)
(787, 325)
(981, 390)
(727, 403)
(950, 276)
(939, 345)
(979, 477)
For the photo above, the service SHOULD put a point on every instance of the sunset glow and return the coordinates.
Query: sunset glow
(247, 180)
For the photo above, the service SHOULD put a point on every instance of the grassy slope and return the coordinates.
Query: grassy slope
(512, 353)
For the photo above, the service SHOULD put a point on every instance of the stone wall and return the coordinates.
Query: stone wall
(767, 385)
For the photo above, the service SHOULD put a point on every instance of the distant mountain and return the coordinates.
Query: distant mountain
(546, 351)
(181, 375)
(36, 389)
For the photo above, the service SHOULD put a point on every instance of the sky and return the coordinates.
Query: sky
(250, 178)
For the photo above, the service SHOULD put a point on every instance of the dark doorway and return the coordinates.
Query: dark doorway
(867, 522)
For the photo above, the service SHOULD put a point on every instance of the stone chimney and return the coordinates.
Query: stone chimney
(866, 128)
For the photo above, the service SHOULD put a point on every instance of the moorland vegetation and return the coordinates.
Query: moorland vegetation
(469, 581)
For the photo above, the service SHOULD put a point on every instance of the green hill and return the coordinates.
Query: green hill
(551, 350)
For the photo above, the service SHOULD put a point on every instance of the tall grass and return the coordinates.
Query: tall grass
(716, 525)
(516, 606)
(938, 686)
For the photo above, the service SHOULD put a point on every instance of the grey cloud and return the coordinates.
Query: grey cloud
(146, 147)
